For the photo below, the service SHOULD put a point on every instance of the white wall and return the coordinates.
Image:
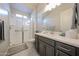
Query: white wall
(5, 43)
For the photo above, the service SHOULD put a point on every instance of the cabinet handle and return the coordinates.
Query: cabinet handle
(64, 48)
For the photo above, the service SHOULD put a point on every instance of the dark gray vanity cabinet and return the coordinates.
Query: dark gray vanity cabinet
(60, 53)
(44, 47)
(50, 47)
(37, 43)
(77, 51)
(65, 49)
(49, 50)
(41, 48)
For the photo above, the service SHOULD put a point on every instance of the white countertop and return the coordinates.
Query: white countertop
(73, 42)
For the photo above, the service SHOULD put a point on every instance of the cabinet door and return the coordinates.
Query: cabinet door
(60, 53)
(49, 50)
(36, 42)
(41, 48)
(77, 51)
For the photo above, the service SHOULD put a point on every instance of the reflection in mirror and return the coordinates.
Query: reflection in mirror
(60, 18)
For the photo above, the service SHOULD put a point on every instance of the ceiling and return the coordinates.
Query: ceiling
(30, 7)
(24, 7)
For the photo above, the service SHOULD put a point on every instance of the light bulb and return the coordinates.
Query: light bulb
(51, 6)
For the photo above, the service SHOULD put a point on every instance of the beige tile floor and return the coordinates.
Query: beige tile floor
(28, 52)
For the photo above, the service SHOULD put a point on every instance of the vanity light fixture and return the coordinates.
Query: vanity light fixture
(51, 6)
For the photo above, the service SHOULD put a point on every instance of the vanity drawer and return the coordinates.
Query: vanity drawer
(46, 40)
(65, 48)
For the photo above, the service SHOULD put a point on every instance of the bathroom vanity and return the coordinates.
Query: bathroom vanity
(54, 45)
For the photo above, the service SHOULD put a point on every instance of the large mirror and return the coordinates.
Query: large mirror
(61, 18)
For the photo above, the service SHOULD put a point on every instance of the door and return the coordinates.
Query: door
(27, 29)
(20, 29)
(41, 48)
(49, 50)
(15, 30)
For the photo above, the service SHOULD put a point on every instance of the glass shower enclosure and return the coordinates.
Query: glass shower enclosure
(20, 26)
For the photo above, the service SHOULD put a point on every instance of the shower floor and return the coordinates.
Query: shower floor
(30, 51)
(16, 48)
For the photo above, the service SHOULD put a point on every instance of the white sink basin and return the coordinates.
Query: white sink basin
(51, 33)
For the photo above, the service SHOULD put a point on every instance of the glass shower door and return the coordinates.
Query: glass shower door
(16, 31)
(26, 29)
(20, 31)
